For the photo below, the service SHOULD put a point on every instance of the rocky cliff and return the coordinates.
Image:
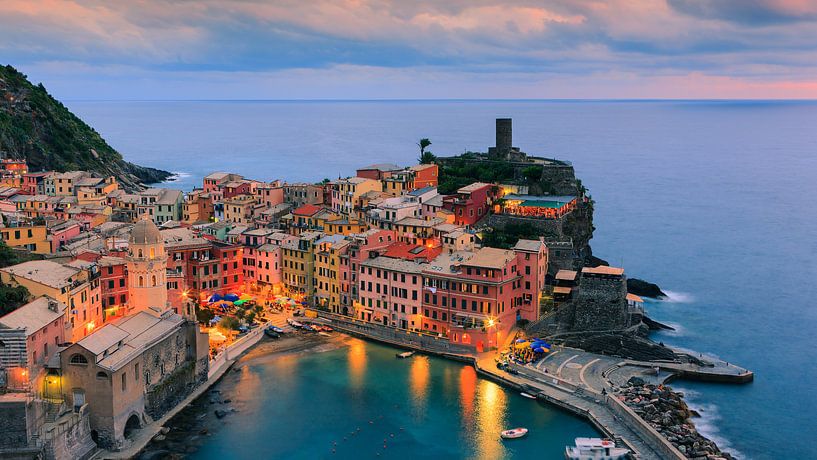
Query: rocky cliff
(40, 129)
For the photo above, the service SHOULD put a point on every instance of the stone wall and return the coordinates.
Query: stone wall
(175, 371)
(601, 304)
(13, 430)
(70, 438)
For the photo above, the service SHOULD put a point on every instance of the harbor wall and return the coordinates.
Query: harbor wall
(643, 428)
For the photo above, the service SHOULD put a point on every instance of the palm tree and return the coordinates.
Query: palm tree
(423, 144)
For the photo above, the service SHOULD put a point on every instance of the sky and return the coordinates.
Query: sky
(414, 49)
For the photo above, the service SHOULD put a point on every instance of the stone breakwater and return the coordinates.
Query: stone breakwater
(666, 411)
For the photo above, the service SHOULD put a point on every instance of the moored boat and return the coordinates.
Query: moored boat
(595, 449)
(276, 329)
(406, 354)
(271, 334)
(527, 395)
(294, 323)
(514, 433)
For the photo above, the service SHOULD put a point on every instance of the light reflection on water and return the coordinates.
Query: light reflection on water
(359, 401)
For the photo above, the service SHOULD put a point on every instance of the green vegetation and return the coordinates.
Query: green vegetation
(204, 315)
(229, 323)
(39, 128)
(512, 233)
(458, 172)
(12, 297)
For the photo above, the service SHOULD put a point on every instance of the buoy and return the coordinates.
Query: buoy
(391, 434)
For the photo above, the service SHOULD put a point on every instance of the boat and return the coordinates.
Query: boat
(406, 354)
(328, 329)
(514, 433)
(271, 334)
(307, 327)
(276, 329)
(294, 323)
(324, 334)
(528, 395)
(595, 449)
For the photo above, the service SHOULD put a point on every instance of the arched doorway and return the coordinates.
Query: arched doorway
(131, 424)
(345, 311)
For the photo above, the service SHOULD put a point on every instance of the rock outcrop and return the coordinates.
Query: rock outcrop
(644, 289)
(666, 411)
(38, 128)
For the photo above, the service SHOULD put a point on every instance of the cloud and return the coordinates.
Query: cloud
(757, 41)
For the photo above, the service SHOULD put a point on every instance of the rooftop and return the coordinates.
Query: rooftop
(383, 167)
(307, 210)
(398, 265)
(473, 187)
(529, 245)
(34, 315)
(136, 334)
(603, 270)
(44, 272)
(491, 258)
(566, 275)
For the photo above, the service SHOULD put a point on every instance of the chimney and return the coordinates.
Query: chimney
(504, 134)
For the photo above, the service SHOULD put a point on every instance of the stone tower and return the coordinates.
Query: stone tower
(147, 265)
(504, 135)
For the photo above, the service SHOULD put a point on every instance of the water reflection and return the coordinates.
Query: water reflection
(356, 357)
(468, 386)
(491, 410)
(418, 375)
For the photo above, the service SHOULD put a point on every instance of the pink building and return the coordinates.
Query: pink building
(270, 194)
(362, 245)
(390, 292)
(63, 232)
(30, 335)
(473, 298)
(532, 259)
(470, 203)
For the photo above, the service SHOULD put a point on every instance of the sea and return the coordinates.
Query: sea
(715, 201)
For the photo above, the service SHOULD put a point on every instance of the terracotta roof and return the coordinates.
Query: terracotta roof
(603, 270)
(568, 275)
(307, 210)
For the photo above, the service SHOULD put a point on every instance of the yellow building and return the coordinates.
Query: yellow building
(347, 193)
(298, 269)
(238, 209)
(344, 226)
(398, 183)
(327, 271)
(64, 183)
(31, 237)
(76, 286)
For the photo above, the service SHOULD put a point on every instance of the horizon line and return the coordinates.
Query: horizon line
(460, 100)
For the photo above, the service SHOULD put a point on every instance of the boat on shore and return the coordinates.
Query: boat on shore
(595, 449)
(406, 354)
(276, 329)
(527, 395)
(271, 334)
(294, 323)
(514, 433)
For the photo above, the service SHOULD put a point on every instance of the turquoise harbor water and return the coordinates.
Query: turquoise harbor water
(714, 201)
(358, 398)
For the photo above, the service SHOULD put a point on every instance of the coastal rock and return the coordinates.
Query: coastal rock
(644, 289)
(669, 415)
(220, 413)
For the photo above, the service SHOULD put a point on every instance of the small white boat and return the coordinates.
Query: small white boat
(528, 395)
(596, 449)
(294, 323)
(514, 433)
(324, 334)
(405, 354)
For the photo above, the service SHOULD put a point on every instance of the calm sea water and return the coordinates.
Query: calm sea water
(350, 402)
(715, 201)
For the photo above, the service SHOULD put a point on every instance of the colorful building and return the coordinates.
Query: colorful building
(470, 204)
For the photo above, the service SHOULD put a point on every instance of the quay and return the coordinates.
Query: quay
(579, 383)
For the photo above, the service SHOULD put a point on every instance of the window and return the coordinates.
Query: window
(124, 381)
(101, 376)
(78, 359)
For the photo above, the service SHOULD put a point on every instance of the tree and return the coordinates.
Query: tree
(427, 158)
(204, 315)
(229, 323)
